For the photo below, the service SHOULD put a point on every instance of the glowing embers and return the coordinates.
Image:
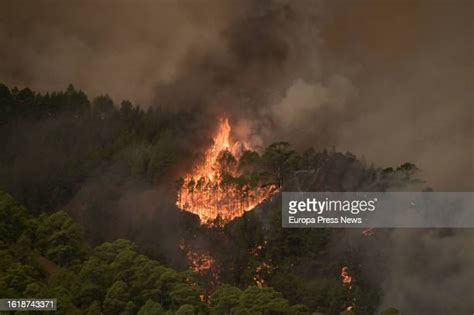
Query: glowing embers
(215, 189)
(346, 277)
(348, 281)
(202, 262)
(264, 268)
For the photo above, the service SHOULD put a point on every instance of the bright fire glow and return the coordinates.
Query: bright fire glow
(346, 277)
(205, 190)
(347, 281)
(200, 261)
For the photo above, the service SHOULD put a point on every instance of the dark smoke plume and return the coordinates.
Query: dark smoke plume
(363, 76)
(387, 80)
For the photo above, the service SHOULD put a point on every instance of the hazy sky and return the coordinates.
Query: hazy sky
(388, 80)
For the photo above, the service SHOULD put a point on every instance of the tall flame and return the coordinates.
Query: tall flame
(206, 190)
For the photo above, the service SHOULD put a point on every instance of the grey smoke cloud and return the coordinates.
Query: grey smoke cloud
(429, 272)
(419, 271)
(387, 80)
(318, 74)
(122, 48)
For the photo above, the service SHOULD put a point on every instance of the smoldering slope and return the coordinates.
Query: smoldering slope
(385, 80)
(420, 271)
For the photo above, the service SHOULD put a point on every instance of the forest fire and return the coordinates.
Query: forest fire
(346, 277)
(264, 268)
(200, 262)
(216, 188)
(348, 281)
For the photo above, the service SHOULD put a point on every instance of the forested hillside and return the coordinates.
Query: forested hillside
(47, 257)
(53, 142)
(86, 175)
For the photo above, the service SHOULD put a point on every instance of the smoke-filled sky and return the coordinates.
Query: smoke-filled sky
(388, 80)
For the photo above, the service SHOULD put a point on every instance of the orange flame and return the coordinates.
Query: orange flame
(203, 263)
(347, 281)
(200, 262)
(205, 190)
(346, 277)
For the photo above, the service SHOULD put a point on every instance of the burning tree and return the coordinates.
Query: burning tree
(225, 184)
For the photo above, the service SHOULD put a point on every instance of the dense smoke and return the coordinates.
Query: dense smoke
(420, 271)
(123, 48)
(320, 75)
(428, 271)
(386, 80)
